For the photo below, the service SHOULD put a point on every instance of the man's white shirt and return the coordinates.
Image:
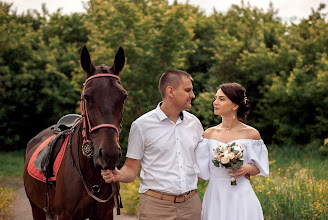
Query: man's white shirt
(166, 151)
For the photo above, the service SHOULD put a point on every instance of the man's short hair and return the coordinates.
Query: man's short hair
(171, 78)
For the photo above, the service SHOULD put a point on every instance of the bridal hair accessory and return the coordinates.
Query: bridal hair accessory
(245, 99)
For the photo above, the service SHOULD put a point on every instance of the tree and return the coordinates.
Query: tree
(35, 83)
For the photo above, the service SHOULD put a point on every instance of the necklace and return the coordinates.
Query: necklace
(230, 128)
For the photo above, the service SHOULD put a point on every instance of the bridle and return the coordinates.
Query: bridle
(86, 146)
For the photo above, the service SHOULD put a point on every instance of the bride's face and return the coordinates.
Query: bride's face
(223, 106)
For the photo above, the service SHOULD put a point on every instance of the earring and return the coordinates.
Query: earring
(233, 116)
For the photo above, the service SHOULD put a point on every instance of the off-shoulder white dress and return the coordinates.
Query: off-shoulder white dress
(221, 200)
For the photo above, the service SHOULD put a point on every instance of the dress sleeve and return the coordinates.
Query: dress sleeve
(258, 156)
(202, 158)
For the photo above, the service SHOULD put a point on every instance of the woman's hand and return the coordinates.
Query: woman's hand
(245, 170)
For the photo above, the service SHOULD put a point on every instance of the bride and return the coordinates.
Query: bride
(222, 200)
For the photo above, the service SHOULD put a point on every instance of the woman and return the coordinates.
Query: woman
(222, 200)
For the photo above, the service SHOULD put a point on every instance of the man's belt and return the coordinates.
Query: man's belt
(173, 198)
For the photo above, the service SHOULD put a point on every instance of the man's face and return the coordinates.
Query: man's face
(184, 94)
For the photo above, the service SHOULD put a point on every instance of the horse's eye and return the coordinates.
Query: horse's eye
(86, 98)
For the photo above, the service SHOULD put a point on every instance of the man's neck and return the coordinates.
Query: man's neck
(170, 111)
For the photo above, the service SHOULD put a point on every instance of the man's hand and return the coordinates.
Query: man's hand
(111, 175)
(125, 175)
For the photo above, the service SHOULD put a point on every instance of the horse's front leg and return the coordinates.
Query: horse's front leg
(103, 211)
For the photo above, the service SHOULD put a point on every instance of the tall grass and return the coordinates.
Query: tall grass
(296, 189)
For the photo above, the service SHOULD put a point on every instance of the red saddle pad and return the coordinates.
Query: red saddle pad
(35, 173)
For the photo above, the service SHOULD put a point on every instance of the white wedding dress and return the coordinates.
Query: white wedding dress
(223, 201)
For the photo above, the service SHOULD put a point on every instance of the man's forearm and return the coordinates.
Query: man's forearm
(127, 175)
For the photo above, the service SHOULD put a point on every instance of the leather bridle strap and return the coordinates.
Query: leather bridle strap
(102, 75)
(84, 110)
(105, 125)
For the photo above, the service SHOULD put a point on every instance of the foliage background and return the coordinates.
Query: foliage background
(283, 67)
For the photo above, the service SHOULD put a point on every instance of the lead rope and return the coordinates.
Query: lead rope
(117, 198)
(81, 176)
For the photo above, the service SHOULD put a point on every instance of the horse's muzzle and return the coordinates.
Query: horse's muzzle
(108, 159)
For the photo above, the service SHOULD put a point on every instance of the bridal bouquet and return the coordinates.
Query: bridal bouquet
(230, 155)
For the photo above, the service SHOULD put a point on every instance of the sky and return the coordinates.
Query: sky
(288, 9)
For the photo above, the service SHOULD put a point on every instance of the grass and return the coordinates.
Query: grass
(297, 187)
(11, 164)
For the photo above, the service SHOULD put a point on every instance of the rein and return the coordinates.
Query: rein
(95, 188)
(85, 116)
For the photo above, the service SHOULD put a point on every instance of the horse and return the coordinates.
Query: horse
(79, 191)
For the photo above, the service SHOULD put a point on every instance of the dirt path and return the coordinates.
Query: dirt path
(22, 209)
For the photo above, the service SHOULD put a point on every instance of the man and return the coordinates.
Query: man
(163, 141)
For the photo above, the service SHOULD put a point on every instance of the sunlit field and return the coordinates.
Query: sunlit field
(297, 187)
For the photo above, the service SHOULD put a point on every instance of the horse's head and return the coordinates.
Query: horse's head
(102, 105)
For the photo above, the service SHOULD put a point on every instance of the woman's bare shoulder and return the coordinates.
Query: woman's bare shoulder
(252, 133)
(210, 131)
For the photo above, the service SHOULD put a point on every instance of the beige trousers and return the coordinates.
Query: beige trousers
(151, 208)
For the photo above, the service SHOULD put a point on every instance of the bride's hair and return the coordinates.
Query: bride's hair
(237, 94)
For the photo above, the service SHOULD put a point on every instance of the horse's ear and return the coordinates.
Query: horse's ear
(118, 62)
(86, 63)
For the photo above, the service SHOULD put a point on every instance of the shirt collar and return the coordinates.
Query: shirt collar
(161, 115)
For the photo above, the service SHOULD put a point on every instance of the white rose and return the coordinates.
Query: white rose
(240, 154)
(231, 155)
(225, 160)
(226, 152)
(237, 148)
(222, 148)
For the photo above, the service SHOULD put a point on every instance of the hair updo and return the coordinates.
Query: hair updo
(237, 94)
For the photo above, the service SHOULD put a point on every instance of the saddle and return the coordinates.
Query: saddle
(47, 155)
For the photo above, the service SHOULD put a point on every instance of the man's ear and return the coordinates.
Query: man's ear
(170, 91)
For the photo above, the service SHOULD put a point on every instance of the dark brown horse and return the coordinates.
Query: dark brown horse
(79, 191)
